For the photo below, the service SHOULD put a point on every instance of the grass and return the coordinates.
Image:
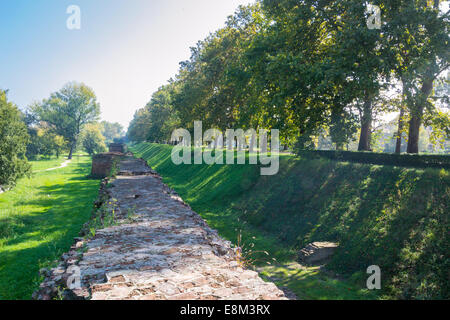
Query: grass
(39, 219)
(219, 194)
(52, 162)
(313, 284)
(393, 217)
(47, 163)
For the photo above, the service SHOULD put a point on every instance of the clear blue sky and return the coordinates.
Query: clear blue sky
(125, 49)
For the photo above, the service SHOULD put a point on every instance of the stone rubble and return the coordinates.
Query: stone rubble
(158, 249)
(317, 253)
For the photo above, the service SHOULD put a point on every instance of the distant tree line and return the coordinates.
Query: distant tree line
(314, 70)
(65, 122)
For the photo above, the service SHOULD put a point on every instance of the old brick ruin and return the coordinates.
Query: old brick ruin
(118, 147)
(103, 163)
(157, 247)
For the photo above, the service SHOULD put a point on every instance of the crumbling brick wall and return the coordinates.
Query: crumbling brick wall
(102, 164)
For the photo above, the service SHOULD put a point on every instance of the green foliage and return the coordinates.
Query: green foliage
(13, 142)
(389, 216)
(404, 160)
(307, 66)
(44, 142)
(342, 128)
(103, 217)
(111, 131)
(157, 120)
(92, 139)
(67, 111)
(416, 46)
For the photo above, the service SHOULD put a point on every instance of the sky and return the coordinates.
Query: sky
(125, 49)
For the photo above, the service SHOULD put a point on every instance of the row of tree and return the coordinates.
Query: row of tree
(309, 67)
(67, 120)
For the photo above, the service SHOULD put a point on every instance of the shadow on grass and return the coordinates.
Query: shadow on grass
(33, 239)
(384, 215)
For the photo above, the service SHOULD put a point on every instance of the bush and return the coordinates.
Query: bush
(13, 143)
(400, 160)
(92, 139)
(44, 142)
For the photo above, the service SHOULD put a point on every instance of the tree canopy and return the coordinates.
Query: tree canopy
(92, 139)
(67, 111)
(13, 143)
(310, 68)
(111, 131)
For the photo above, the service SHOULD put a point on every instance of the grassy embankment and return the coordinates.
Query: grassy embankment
(393, 217)
(39, 219)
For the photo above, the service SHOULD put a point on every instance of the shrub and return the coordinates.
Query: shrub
(13, 143)
(400, 160)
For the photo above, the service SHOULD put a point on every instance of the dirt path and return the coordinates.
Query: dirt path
(160, 249)
(63, 165)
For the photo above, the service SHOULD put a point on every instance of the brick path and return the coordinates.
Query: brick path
(160, 249)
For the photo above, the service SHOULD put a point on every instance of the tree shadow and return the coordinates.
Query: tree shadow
(38, 237)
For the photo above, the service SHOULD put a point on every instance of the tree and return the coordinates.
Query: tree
(68, 111)
(111, 131)
(342, 127)
(92, 139)
(417, 44)
(13, 143)
(139, 126)
(307, 67)
(44, 142)
(158, 119)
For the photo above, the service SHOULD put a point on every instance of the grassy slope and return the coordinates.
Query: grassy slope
(396, 218)
(39, 219)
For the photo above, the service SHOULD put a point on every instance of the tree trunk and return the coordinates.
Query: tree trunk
(413, 135)
(398, 145)
(366, 127)
(72, 149)
(419, 107)
(417, 115)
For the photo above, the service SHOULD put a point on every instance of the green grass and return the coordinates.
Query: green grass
(393, 217)
(47, 163)
(52, 162)
(221, 194)
(39, 219)
(313, 284)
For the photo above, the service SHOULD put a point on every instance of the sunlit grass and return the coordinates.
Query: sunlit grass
(217, 193)
(39, 219)
(47, 163)
(309, 283)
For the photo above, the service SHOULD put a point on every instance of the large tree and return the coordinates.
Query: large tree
(13, 143)
(417, 44)
(158, 119)
(68, 111)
